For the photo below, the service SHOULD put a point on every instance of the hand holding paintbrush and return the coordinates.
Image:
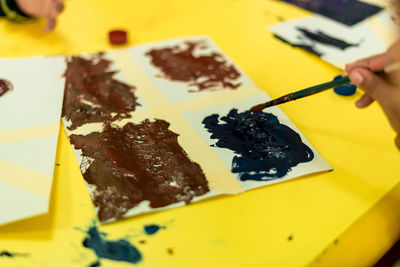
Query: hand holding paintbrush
(313, 90)
(378, 76)
(383, 88)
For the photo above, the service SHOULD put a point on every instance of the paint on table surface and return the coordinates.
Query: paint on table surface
(138, 162)
(8, 254)
(265, 149)
(92, 94)
(186, 63)
(5, 87)
(151, 229)
(116, 250)
(348, 12)
(335, 43)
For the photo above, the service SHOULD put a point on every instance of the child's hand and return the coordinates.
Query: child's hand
(47, 9)
(385, 89)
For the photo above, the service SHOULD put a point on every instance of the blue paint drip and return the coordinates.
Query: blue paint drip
(95, 264)
(265, 148)
(6, 254)
(119, 250)
(151, 229)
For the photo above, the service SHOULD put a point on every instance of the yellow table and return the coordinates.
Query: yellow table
(347, 217)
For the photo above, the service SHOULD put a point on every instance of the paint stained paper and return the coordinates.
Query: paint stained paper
(190, 67)
(141, 154)
(128, 169)
(333, 42)
(258, 149)
(31, 92)
(347, 12)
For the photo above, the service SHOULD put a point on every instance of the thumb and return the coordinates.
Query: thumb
(374, 85)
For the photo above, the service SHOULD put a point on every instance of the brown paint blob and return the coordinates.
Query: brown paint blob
(92, 94)
(206, 72)
(5, 87)
(135, 163)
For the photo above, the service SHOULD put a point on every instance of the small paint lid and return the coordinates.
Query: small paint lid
(344, 90)
(117, 37)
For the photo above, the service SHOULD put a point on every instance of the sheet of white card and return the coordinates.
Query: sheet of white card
(30, 117)
(176, 91)
(195, 118)
(368, 43)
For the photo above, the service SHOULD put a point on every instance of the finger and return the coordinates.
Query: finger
(52, 15)
(379, 61)
(373, 85)
(374, 63)
(383, 60)
(364, 101)
(51, 23)
(59, 6)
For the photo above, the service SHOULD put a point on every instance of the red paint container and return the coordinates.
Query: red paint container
(117, 37)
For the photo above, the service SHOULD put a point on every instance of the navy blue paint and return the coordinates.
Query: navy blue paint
(265, 149)
(119, 250)
(309, 48)
(345, 90)
(151, 229)
(6, 254)
(323, 38)
(95, 264)
(348, 12)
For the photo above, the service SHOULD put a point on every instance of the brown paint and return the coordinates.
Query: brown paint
(135, 163)
(206, 72)
(92, 94)
(170, 251)
(5, 87)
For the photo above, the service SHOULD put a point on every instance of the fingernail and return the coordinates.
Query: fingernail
(356, 78)
(60, 7)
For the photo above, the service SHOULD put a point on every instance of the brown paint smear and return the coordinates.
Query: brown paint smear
(5, 87)
(206, 72)
(92, 94)
(128, 165)
(135, 163)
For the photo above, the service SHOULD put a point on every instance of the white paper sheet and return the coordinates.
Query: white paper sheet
(30, 116)
(367, 42)
(176, 91)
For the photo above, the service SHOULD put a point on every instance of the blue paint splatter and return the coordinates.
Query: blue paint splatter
(119, 250)
(151, 229)
(95, 264)
(6, 254)
(265, 148)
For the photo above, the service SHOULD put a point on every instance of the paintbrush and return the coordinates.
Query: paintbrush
(316, 89)
(300, 94)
